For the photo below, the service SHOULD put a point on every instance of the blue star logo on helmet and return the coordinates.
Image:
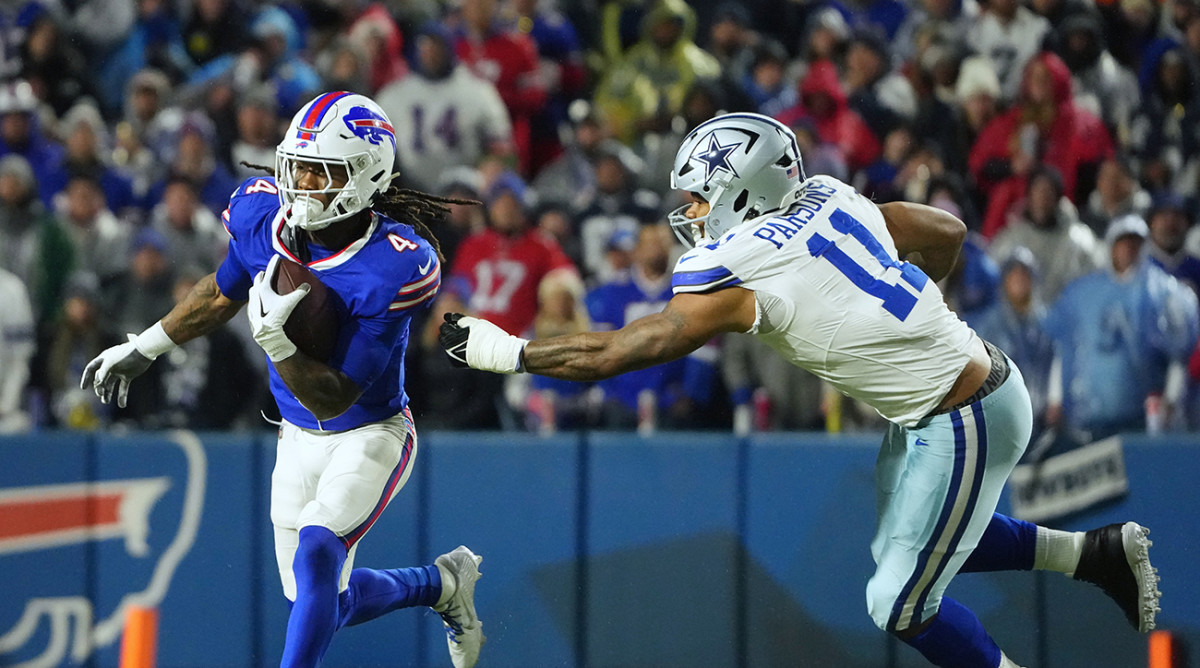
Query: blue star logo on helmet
(716, 157)
(368, 125)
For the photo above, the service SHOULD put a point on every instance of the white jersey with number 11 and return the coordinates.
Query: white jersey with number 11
(835, 299)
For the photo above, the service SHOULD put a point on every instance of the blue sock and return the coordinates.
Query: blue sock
(956, 639)
(377, 592)
(1006, 545)
(314, 617)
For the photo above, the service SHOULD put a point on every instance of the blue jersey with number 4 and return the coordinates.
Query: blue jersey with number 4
(379, 280)
(836, 300)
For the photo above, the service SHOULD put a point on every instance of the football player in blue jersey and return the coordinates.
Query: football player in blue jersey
(846, 289)
(346, 442)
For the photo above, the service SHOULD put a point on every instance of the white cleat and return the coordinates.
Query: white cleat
(464, 631)
(1116, 558)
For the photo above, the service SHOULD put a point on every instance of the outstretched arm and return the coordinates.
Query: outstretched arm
(687, 322)
(202, 311)
(924, 235)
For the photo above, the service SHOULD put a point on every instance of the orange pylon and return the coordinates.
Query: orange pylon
(140, 640)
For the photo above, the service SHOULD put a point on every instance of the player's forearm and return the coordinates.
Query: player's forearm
(595, 356)
(203, 310)
(323, 390)
(926, 236)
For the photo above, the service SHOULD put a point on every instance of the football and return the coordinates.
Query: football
(313, 325)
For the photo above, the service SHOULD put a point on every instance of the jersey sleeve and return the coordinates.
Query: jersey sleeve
(422, 285)
(254, 199)
(699, 272)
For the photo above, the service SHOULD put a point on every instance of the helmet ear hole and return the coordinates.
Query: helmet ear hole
(740, 202)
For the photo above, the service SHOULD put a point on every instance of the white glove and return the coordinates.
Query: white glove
(480, 345)
(268, 312)
(112, 370)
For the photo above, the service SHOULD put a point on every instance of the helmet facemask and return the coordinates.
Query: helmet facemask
(307, 212)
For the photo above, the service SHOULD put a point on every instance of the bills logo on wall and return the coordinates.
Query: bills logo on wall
(133, 523)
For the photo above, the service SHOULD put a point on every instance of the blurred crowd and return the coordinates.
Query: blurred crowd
(1065, 133)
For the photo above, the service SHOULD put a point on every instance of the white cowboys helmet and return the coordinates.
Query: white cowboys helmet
(337, 128)
(744, 165)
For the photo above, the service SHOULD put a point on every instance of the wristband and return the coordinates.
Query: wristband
(154, 341)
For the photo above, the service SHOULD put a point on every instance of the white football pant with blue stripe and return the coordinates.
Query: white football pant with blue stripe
(937, 486)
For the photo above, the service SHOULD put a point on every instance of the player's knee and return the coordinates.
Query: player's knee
(320, 553)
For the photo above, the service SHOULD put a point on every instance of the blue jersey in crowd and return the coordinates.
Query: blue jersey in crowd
(1116, 337)
(381, 280)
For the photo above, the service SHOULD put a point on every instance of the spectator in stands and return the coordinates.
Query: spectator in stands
(188, 153)
(879, 180)
(766, 81)
(950, 19)
(53, 66)
(618, 203)
(496, 271)
(560, 61)
(146, 96)
(100, 241)
(1016, 324)
(137, 297)
(1048, 225)
(215, 28)
(884, 15)
(343, 66)
(820, 156)
(257, 131)
(977, 99)
(1010, 35)
(1103, 86)
(193, 235)
(80, 334)
(1123, 332)
(17, 344)
(21, 134)
(557, 220)
(1166, 124)
(657, 148)
(206, 383)
(1117, 194)
(86, 139)
(509, 60)
(376, 32)
(668, 56)
(672, 391)
(1168, 220)
(1045, 126)
(882, 96)
(445, 116)
(462, 183)
(155, 40)
(732, 41)
(823, 100)
(36, 245)
(825, 35)
(572, 175)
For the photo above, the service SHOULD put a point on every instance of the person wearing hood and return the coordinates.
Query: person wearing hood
(1048, 225)
(1166, 125)
(444, 115)
(37, 247)
(1123, 333)
(1045, 126)
(823, 100)
(377, 33)
(667, 54)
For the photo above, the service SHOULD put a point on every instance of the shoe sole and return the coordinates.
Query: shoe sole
(1137, 553)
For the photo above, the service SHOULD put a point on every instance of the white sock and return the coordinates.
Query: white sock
(449, 586)
(1057, 550)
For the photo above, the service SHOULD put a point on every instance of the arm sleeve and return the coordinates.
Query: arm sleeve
(233, 278)
(702, 277)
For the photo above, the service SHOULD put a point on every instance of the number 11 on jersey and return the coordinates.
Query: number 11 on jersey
(896, 299)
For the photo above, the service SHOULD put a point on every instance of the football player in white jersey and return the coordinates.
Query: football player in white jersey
(846, 289)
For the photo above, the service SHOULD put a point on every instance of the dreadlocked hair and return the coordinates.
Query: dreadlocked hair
(419, 209)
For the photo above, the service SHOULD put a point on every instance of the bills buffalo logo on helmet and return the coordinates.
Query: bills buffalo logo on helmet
(368, 125)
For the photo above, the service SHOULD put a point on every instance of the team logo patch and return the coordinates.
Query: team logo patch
(715, 157)
(368, 125)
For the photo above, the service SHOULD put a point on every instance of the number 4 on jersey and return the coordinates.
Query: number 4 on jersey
(896, 300)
